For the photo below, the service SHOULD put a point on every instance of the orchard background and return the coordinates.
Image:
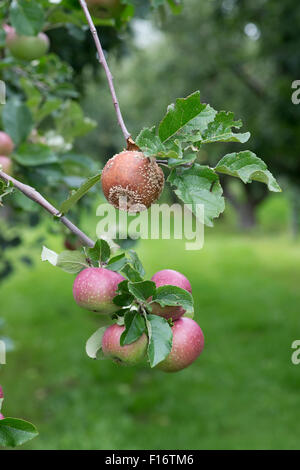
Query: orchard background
(243, 391)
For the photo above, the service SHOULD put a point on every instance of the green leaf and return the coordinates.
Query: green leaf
(58, 15)
(49, 255)
(73, 16)
(123, 300)
(2, 38)
(151, 145)
(199, 185)
(5, 189)
(174, 296)
(126, 14)
(72, 161)
(34, 96)
(142, 290)
(72, 261)
(15, 432)
(220, 130)
(27, 17)
(17, 121)
(193, 130)
(116, 263)
(94, 343)
(190, 158)
(132, 274)
(188, 124)
(123, 287)
(77, 195)
(72, 123)
(100, 253)
(134, 328)
(149, 142)
(136, 263)
(160, 338)
(119, 316)
(176, 6)
(51, 105)
(179, 115)
(248, 167)
(35, 155)
(69, 261)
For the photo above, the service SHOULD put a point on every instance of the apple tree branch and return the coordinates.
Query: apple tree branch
(104, 64)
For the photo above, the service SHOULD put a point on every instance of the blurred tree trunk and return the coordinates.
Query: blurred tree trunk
(245, 206)
(247, 216)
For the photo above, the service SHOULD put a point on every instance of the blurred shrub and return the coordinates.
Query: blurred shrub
(273, 214)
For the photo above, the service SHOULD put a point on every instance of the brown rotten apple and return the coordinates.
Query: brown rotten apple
(188, 343)
(95, 288)
(131, 181)
(130, 354)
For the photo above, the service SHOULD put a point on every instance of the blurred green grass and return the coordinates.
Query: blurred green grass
(243, 392)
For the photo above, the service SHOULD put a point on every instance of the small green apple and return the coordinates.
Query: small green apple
(26, 47)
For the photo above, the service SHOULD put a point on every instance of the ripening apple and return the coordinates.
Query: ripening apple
(188, 343)
(6, 144)
(26, 47)
(6, 164)
(95, 288)
(1, 416)
(173, 278)
(130, 354)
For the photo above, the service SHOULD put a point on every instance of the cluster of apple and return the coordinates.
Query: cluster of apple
(132, 182)
(95, 288)
(6, 148)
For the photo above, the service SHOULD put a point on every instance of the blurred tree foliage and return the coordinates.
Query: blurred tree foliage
(242, 56)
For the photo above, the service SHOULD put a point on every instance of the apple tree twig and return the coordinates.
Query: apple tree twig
(104, 64)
